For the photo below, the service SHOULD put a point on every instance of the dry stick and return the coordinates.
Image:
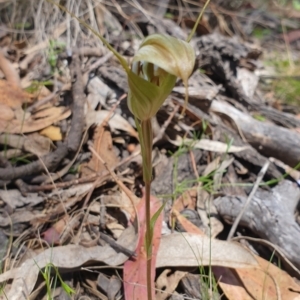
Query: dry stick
(3, 261)
(49, 187)
(45, 100)
(78, 105)
(255, 187)
(166, 124)
(99, 62)
(116, 246)
(104, 176)
(79, 99)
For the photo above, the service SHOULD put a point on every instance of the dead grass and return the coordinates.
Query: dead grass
(38, 21)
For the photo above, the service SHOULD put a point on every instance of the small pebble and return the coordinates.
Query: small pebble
(131, 148)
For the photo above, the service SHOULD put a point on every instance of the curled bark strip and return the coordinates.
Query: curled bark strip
(72, 142)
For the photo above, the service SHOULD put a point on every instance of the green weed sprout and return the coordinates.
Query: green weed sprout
(160, 60)
(49, 268)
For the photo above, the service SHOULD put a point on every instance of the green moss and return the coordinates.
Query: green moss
(288, 90)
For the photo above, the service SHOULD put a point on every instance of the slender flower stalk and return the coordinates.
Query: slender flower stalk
(147, 133)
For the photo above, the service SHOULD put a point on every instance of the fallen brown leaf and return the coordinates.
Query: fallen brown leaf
(192, 250)
(104, 147)
(12, 95)
(267, 281)
(167, 282)
(36, 122)
(52, 132)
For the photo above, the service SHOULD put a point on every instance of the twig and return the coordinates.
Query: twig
(43, 101)
(166, 124)
(99, 62)
(255, 187)
(116, 246)
(78, 123)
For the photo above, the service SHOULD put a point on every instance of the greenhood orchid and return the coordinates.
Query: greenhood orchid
(160, 60)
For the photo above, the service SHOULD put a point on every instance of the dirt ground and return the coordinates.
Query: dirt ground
(225, 165)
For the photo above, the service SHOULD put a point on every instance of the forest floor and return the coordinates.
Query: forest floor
(225, 165)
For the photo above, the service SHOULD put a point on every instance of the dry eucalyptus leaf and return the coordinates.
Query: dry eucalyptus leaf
(270, 279)
(248, 81)
(121, 200)
(103, 145)
(52, 132)
(229, 283)
(35, 122)
(212, 166)
(209, 145)
(11, 153)
(66, 257)
(7, 112)
(116, 122)
(115, 228)
(37, 144)
(167, 282)
(33, 143)
(208, 93)
(76, 190)
(21, 115)
(15, 199)
(12, 95)
(98, 92)
(192, 250)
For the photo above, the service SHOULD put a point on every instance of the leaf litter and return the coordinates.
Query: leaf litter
(61, 204)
